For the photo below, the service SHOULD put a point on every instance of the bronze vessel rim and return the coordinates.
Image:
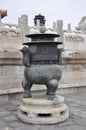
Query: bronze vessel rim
(43, 35)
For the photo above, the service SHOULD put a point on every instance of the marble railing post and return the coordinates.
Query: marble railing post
(60, 30)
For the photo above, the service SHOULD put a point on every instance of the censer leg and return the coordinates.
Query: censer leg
(27, 88)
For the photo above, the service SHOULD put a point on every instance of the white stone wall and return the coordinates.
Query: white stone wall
(75, 42)
(11, 71)
(74, 60)
(10, 40)
(11, 68)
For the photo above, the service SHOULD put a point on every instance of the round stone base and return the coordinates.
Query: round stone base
(43, 111)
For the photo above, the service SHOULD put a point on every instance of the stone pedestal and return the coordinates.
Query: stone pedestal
(40, 110)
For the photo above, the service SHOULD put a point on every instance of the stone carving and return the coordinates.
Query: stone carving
(6, 31)
(67, 54)
(74, 38)
(82, 25)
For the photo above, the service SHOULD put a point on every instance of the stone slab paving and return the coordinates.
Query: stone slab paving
(77, 119)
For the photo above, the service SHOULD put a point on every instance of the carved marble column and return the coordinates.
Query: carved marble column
(60, 30)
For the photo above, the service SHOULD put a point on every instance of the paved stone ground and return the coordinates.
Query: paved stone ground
(77, 119)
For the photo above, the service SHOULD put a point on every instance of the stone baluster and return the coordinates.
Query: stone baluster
(54, 27)
(60, 30)
(24, 26)
(69, 28)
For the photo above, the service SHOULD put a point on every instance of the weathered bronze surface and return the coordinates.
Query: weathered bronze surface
(41, 59)
(43, 49)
